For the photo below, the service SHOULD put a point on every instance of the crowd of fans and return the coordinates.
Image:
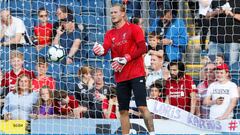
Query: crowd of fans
(27, 95)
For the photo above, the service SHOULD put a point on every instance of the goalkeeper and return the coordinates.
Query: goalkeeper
(127, 45)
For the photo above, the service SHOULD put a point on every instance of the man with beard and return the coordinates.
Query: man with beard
(180, 88)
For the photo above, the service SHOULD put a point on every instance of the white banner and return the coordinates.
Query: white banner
(180, 115)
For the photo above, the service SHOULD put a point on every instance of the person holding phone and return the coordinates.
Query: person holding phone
(222, 95)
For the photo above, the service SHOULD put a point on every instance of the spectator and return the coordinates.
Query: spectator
(158, 71)
(219, 60)
(86, 82)
(61, 13)
(110, 105)
(94, 97)
(156, 91)
(67, 106)
(204, 22)
(43, 31)
(180, 88)
(175, 37)
(154, 48)
(222, 95)
(225, 30)
(18, 104)
(209, 77)
(10, 78)
(44, 107)
(70, 37)
(12, 29)
(42, 79)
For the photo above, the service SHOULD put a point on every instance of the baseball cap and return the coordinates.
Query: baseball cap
(68, 19)
(223, 67)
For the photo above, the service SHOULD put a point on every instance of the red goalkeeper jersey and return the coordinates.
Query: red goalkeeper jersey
(128, 39)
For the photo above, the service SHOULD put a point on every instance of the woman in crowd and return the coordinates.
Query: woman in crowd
(19, 103)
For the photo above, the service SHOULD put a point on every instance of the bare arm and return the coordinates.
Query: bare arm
(157, 53)
(14, 40)
(207, 101)
(75, 47)
(193, 102)
(58, 35)
(214, 13)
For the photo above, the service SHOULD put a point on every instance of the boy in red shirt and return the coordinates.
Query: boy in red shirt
(66, 105)
(180, 88)
(127, 44)
(110, 105)
(10, 78)
(42, 79)
(43, 31)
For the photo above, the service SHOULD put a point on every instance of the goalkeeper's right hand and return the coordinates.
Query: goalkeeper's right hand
(98, 49)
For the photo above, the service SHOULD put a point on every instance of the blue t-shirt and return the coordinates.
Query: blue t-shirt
(67, 39)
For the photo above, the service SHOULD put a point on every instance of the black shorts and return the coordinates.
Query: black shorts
(124, 92)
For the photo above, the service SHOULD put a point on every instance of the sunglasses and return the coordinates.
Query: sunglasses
(43, 15)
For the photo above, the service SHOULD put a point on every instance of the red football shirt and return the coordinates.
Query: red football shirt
(46, 81)
(43, 33)
(179, 91)
(73, 103)
(122, 41)
(10, 78)
(105, 105)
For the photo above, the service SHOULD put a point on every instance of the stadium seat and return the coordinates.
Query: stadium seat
(68, 82)
(74, 5)
(43, 52)
(71, 69)
(93, 7)
(55, 70)
(29, 52)
(4, 53)
(5, 65)
(30, 66)
(235, 73)
(95, 63)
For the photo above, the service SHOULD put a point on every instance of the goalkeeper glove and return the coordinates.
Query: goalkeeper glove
(98, 49)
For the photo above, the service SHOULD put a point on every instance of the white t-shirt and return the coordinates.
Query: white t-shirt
(17, 26)
(204, 6)
(153, 76)
(228, 90)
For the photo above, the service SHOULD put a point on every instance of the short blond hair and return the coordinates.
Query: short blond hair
(16, 54)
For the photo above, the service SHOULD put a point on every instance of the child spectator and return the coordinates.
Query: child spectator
(86, 82)
(222, 95)
(42, 79)
(18, 104)
(66, 105)
(43, 31)
(156, 92)
(219, 59)
(154, 48)
(10, 78)
(44, 107)
(110, 105)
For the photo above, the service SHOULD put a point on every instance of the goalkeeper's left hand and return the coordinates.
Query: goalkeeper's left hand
(119, 62)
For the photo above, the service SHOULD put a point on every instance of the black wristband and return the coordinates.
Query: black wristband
(70, 57)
